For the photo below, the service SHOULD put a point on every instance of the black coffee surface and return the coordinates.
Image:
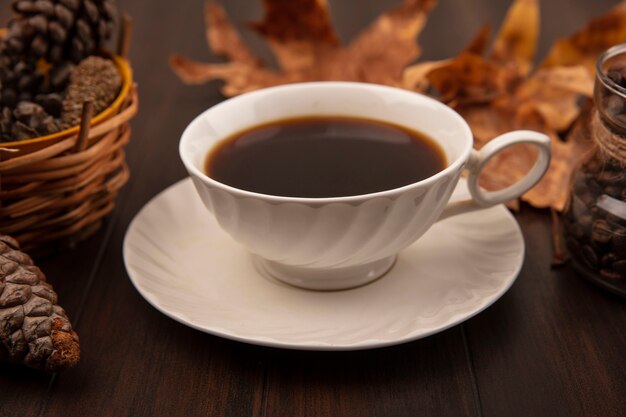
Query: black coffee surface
(324, 157)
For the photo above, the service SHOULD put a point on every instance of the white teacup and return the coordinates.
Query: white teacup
(343, 242)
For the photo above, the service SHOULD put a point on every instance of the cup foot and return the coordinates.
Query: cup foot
(331, 279)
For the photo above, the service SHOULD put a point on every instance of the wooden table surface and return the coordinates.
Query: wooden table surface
(553, 345)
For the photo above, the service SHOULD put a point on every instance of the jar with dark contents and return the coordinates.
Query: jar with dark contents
(595, 219)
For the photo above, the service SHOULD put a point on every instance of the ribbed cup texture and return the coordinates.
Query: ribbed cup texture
(329, 234)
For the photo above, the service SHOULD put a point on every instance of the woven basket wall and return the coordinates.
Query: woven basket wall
(58, 190)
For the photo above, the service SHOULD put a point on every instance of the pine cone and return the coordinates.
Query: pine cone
(19, 79)
(59, 30)
(34, 330)
(95, 79)
(6, 124)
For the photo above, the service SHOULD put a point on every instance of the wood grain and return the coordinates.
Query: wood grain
(554, 345)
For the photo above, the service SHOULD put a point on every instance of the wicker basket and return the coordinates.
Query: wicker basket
(58, 188)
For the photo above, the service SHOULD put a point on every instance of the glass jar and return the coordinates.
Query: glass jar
(595, 219)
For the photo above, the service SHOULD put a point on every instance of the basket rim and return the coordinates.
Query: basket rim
(125, 70)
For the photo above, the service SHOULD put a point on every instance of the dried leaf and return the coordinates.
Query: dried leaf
(415, 77)
(516, 42)
(583, 47)
(478, 45)
(387, 46)
(224, 38)
(240, 78)
(553, 189)
(302, 20)
(554, 93)
(469, 79)
(301, 36)
(300, 33)
(496, 95)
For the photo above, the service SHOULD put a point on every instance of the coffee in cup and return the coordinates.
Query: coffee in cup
(329, 156)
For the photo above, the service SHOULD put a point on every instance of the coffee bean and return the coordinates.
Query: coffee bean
(608, 260)
(601, 232)
(610, 275)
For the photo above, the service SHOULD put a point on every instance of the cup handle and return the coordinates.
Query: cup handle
(477, 161)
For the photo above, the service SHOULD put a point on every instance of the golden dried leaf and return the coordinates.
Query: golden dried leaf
(415, 76)
(301, 36)
(496, 95)
(300, 33)
(516, 42)
(487, 121)
(583, 47)
(240, 78)
(469, 78)
(223, 37)
(381, 52)
(567, 156)
(554, 93)
(478, 45)
(303, 20)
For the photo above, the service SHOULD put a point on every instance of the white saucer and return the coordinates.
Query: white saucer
(182, 263)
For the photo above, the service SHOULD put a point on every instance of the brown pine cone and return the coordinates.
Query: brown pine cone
(19, 80)
(95, 79)
(6, 124)
(34, 330)
(61, 32)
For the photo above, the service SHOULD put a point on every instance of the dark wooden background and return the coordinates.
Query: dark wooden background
(554, 345)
